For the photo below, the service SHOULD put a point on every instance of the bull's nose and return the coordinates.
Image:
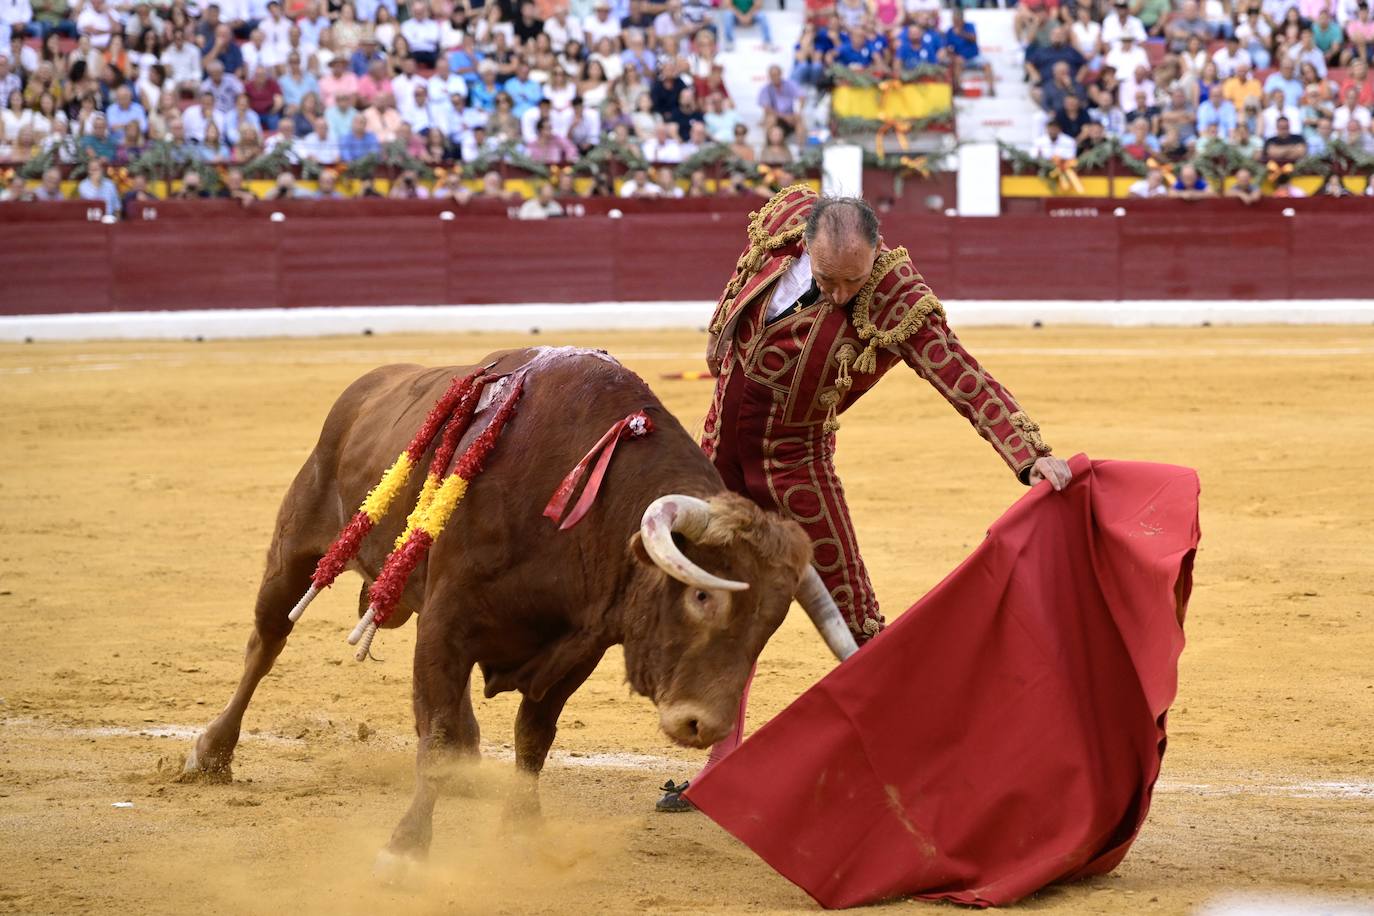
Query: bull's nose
(692, 725)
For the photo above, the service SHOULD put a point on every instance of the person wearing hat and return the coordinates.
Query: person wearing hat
(601, 24)
(365, 55)
(1119, 23)
(339, 81)
(1128, 56)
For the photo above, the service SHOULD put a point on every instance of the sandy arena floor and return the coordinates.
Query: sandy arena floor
(139, 482)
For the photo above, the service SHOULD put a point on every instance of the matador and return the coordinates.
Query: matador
(817, 311)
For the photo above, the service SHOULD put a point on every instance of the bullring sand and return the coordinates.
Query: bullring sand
(139, 483)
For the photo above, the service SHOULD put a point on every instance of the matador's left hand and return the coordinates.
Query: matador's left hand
(1055, 470)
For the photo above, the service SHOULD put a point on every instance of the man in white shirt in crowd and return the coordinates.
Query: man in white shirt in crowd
(319, 145)
(200, 116)
(529, 121)
(95, 21)
(601, 24)
(1127, 57)
(1053, 143)
(664, 145)
(1229, 56)
(403, 85)
(182, 60)
(422, 31)
(443, 83)
(276, 31)
(1120, 22)
(640, 185)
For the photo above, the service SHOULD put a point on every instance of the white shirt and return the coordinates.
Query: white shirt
(1341, 117)
(195, 123)
(1085, 37)
(444, 87)
(1125, 61)
(1113, 28)
(1227, 62)
(16, 12)
(595, 29)
(278, 34)
(403, 87)
(1270, 118)
(1064, 147)
(324, 151)
(183, 64)
(423, 34)
(96, 24)
(561, 32)
(789, 287)
(669, 151)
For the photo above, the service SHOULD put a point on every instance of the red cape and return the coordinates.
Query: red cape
(1005, 732)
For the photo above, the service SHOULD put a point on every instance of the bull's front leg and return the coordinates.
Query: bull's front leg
(448, 736)
(536, 724)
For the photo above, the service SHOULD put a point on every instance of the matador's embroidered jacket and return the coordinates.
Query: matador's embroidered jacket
(783, 385)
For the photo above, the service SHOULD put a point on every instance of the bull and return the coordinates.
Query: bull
(691, 579)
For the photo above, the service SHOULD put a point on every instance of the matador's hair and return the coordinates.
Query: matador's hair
(842, 217)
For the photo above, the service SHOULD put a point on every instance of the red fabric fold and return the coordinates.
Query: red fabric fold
(1003, 734)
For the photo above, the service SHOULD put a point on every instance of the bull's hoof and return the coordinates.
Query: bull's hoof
(397, 869)
(205, 768)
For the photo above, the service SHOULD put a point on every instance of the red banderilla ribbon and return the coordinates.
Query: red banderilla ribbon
(635, 426)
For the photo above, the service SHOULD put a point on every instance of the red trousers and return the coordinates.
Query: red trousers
(789, 470)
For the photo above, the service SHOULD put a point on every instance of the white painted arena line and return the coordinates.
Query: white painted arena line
(594, 316)
(1267, 786)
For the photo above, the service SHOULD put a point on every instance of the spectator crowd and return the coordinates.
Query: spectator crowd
(331, 82)
(1177, 81)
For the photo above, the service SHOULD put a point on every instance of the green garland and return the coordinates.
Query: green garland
(1339, 158)
(935, 161)
(39, 163)
(162, 160)
(269, 164)
(862, 79)
(511, 154)
(1221, 159)
(1022, 161)
(607, 151)
(712, 154)
(392, 155)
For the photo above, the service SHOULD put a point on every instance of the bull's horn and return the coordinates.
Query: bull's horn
(688, 516)
(815, 599)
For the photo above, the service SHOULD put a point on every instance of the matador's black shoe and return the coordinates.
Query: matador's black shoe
(673, 801)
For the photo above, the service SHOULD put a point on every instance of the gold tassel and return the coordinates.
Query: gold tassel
(868, 359)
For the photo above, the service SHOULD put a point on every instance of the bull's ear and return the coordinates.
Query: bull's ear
(640, 554)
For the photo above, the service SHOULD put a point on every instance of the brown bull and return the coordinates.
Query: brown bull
(535, 607)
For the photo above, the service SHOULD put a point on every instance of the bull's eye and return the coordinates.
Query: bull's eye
(702, 596)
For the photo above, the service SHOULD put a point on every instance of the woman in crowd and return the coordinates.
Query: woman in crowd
(384, 28)
(249, 146)
(214, 149)
(609, 58)
(45, 117)
(305, 117)
(15, 114)
(131, 144)
(593, 87)
(348, 31)
(775, 150)
(629, 88)
(742, 149)
(645, 120)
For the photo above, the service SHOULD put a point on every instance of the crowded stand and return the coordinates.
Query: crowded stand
(314, 98)
(1208, 98)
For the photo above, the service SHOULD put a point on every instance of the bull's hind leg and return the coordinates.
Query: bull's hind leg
(290, 564)
(448, 733)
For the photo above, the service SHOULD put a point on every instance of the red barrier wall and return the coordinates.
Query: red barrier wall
(213, 254)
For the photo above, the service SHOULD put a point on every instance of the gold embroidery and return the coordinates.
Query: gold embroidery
(1030, 432)
(911, 322)
(760, 243)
